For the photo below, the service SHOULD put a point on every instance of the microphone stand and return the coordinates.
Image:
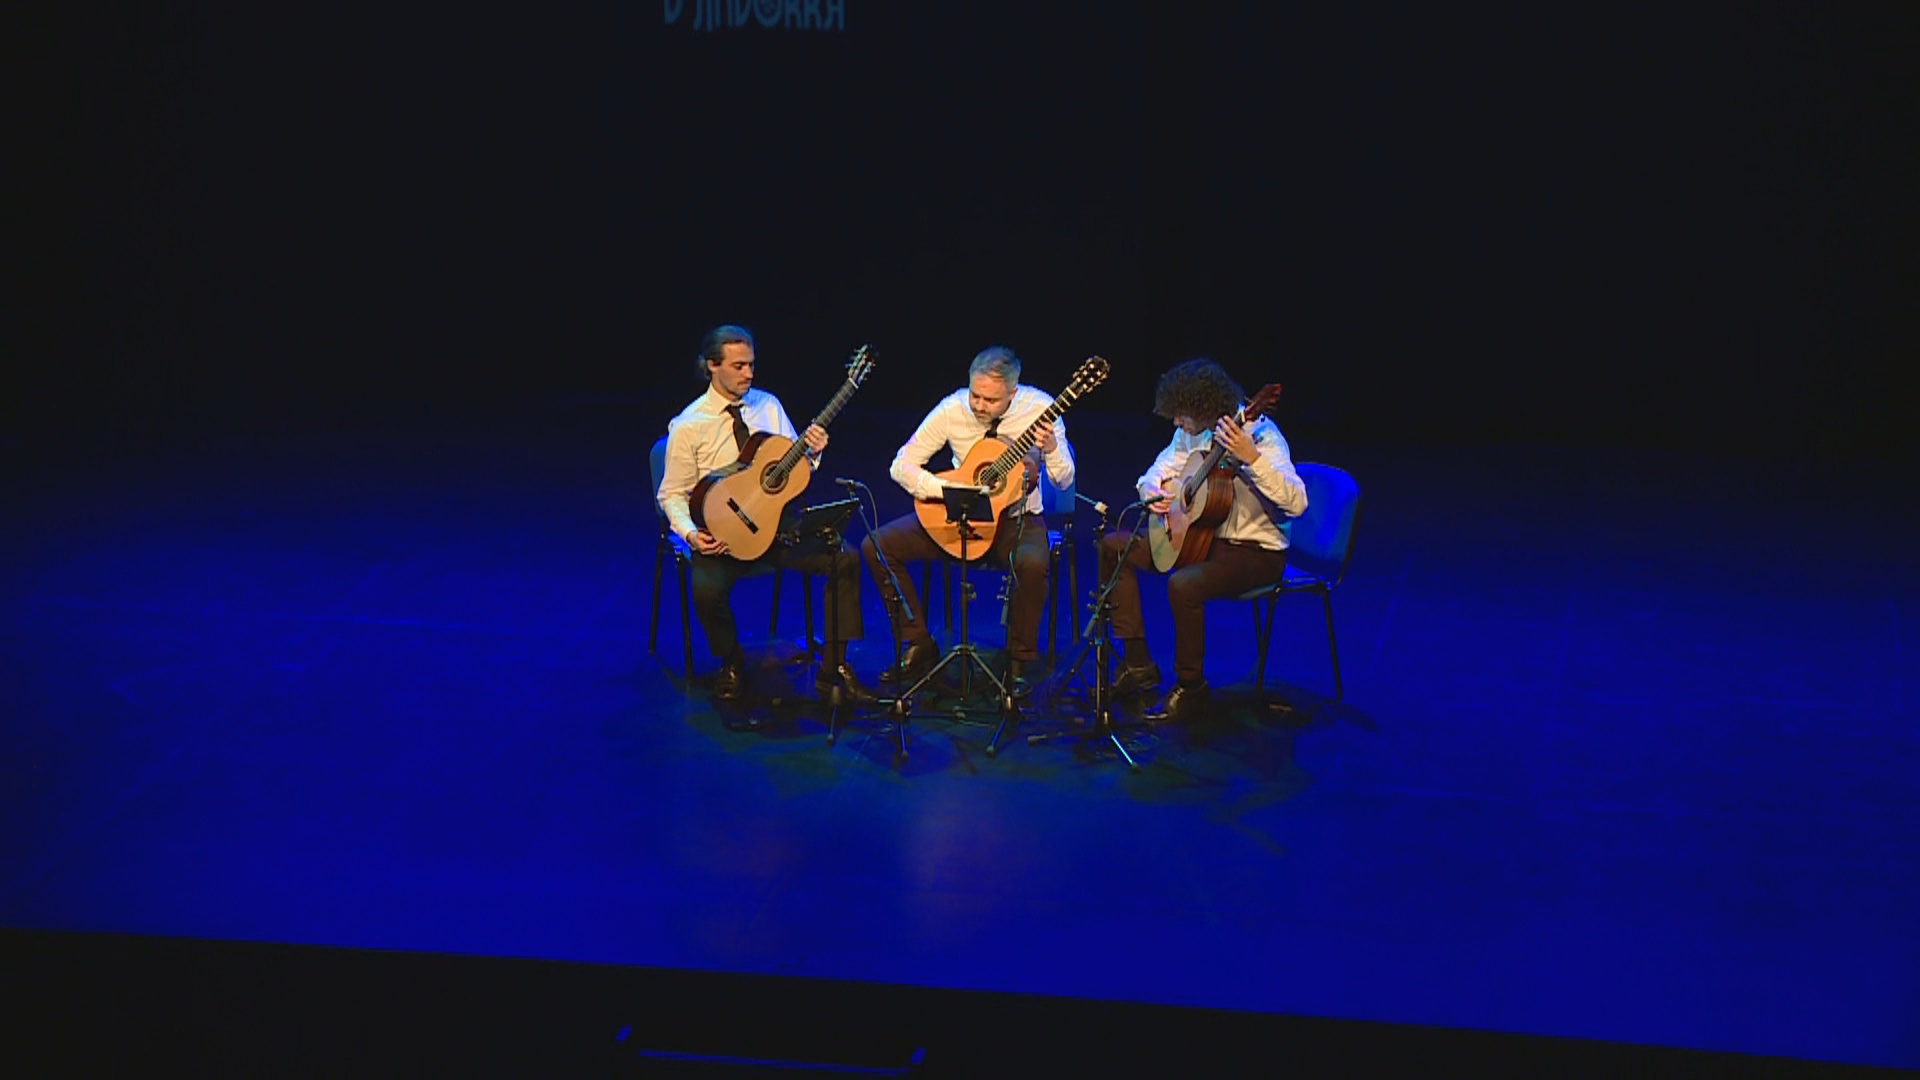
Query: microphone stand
(896, 601)
(1086, 639)
(1099, 634)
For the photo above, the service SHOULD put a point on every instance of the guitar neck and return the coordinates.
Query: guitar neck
(836, 403)
(1215, 455)
(839, 401)
(1004, 464)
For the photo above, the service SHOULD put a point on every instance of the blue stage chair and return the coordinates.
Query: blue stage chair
(1320, 545)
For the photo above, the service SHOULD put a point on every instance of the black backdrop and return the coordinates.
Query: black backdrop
(1685, 227)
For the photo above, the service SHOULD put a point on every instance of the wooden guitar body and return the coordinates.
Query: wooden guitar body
(741, 504)
(1002, 495)
(1184, 534)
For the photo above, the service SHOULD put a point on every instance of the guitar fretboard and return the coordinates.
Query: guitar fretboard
(1004, 465)
(1211, 462)
(792, 457)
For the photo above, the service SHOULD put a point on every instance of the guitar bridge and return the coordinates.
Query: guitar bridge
(752, 527)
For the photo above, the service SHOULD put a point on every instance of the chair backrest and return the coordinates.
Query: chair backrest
(659, 471)
(1321, 540)
(1055, 500)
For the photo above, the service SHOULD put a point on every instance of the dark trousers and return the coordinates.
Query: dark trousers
(906, 542)
(715, 575)
(1229, 570)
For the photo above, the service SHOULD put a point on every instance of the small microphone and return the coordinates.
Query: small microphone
(1098, 506)
(845, 482)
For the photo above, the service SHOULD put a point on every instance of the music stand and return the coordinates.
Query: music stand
(1097, 641)
(964, 506)
(827, 521)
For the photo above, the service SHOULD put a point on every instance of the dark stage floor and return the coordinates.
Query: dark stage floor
(1626, 753)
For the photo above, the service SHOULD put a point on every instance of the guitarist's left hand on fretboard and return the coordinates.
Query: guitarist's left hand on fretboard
(1237, 440)
(1044, 439)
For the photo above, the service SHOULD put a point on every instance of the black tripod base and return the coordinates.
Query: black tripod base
(839, 710)
(835, 701)
(1102, 731)
(1098, 647)
(968, 657)
(1009, 712)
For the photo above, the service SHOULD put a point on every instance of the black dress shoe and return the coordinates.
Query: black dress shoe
(729, 681)
(916, 660)
(1180, 706)
(1133, 680)
(842, 677)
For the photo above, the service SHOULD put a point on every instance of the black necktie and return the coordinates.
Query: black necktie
(993, 427)
(740, 432)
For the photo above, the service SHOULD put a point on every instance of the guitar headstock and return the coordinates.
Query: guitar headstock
(1263, 399)
(860, 364)
(1092, 372)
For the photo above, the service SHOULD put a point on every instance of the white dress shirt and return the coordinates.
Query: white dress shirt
(1266, 491)
(700, 440)
(952, 423)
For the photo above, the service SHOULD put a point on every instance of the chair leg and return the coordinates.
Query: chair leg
(806, 584)
(686, 617)
(653, 627)
(926, 594)
(1333, 649)
(1073, 580)
(1260, 631)
(773, 620)
(1053, 603)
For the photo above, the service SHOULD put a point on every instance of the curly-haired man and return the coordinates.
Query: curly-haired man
(1250, 545)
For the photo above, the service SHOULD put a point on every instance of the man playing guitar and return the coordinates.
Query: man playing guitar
(709, 434)
(994, 404)
(1250, 544)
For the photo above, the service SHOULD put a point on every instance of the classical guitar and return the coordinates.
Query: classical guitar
(1202, 496)
(742, 503)
(1002, 467)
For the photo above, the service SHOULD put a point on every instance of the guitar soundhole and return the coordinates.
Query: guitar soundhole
(994, 488)
(770, 479)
